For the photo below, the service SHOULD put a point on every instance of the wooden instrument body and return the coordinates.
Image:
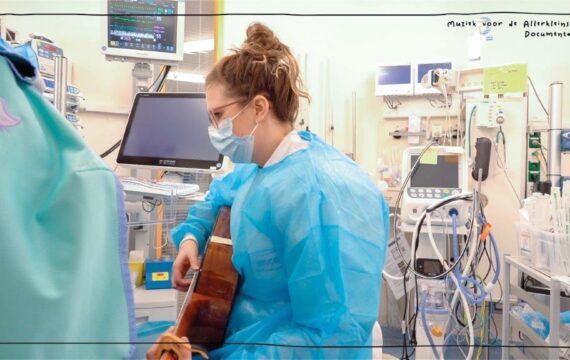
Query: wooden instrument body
(205, 318)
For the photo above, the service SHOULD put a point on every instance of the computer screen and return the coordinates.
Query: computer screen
(130, 33)
(394, 75)
(443, 174)
(394, 79)
(169, 130)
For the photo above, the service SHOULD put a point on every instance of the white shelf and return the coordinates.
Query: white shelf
(404, 114)
(154, 298)
(552, 311)
(105, 109)
(155, 305)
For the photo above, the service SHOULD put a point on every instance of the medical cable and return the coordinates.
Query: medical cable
(419, 224)
(500, 138)
(487, 289)
(472, 253)
(111, 149)
(405, 323)
(507, 176)
(461, 277)
(537, 97)
(427, 212)
(454, 279)
(159, 86)
(542, 148)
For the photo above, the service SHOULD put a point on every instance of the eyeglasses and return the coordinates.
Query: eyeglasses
(216, 117)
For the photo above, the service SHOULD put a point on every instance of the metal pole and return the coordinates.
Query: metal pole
(60, 87)
(554, 317)
(554, 132)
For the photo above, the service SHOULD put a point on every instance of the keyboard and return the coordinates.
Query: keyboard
(134, 185)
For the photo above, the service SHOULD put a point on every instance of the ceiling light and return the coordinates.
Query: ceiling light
(187, 77)
(198, 46)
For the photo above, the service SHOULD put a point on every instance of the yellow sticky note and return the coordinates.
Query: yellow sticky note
(429, 157)
(505, 79)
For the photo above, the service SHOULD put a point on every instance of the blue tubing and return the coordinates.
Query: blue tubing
(460, 279)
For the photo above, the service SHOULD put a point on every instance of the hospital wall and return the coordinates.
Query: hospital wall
(354, 45)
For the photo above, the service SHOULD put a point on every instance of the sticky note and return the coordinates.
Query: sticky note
(505, 79)
(429, 157)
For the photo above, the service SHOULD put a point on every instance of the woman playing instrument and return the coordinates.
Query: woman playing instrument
(309, 227)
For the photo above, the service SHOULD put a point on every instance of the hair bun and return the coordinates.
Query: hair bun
(263, 65)
(260, 36)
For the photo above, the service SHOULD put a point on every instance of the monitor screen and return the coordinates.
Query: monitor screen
(144, 31)
(394, 75)
(169, 130)
(155, 32)
(444, 174)
(424, 68)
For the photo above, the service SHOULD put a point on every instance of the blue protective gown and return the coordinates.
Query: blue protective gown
(309, 235)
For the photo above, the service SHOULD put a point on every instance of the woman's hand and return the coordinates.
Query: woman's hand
(187, 258)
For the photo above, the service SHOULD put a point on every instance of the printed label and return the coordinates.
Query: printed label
(160, 276)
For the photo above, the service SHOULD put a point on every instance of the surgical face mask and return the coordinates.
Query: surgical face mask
(238, 148)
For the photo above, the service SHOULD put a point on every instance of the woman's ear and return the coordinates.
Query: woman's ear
(262, 106)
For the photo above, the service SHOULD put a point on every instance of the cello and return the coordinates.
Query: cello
(205, 312)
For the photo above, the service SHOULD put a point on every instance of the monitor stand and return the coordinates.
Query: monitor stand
(142, 77)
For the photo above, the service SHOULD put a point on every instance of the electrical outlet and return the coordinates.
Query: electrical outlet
(414, 125)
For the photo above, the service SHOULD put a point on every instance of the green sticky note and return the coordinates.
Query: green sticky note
(505, 79)
(429, 157)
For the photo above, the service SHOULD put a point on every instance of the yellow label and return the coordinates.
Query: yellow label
(505, 79)
(160, 276)
(429, 157)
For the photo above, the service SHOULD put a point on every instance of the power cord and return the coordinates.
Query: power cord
(162, 76)
(537, 97)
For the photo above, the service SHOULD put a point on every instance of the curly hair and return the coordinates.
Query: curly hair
(263, 65)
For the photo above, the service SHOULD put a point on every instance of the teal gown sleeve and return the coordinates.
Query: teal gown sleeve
(65, 288)
(333, 258)
(202, 215)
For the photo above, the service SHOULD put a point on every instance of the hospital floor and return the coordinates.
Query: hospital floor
(393, 337)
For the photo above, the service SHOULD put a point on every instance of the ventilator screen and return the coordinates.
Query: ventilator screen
(444, 174)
